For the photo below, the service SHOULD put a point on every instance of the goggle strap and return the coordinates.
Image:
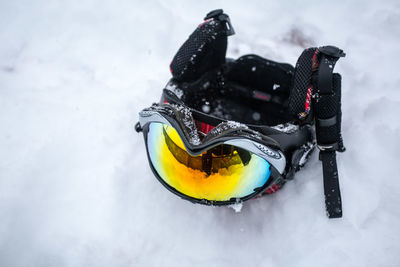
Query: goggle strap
(327, 110)
(333, 200)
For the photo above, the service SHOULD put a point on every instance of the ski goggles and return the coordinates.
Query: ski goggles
(229, 164)
(200, 156)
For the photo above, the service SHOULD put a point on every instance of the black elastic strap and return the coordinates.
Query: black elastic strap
(325, 70)
(333, 200)
(328, 118)
(219, 15)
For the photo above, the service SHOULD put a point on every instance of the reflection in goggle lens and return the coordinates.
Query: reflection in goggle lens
(218, 174)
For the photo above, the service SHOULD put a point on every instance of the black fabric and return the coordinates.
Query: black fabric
(262, 74)
(251, 89)
(203, 51)
(333, 200)
(229, 103)
(327, 107)
(301, 82)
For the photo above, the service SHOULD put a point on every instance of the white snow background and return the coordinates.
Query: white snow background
(75, 185)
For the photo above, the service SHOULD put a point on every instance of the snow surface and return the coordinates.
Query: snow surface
(75, 185)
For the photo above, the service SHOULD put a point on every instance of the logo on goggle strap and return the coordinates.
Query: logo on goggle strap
(268, 151)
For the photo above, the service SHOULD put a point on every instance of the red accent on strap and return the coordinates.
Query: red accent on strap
(315, 61)
(272, 189)
(308, 99)
(204, 22)
(262, 96)
(165, 101)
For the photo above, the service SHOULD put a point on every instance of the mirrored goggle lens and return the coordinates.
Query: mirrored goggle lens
(218, 174)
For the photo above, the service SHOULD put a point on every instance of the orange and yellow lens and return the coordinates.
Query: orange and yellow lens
(218, 174)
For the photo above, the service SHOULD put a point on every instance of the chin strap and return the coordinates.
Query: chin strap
(327, 111)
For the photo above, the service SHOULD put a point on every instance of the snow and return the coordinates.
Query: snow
(75, 185)
(237, 207)
(174, 88)
(286, 127)
(187, 118)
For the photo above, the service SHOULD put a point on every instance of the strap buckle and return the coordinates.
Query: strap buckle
(138, 128)
(332, 51)
(214, 13)
(221, 16)
(326, 122)
(329, 147)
